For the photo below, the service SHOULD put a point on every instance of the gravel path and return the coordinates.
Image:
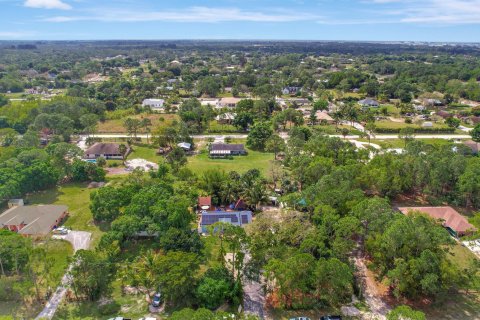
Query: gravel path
(79, 240)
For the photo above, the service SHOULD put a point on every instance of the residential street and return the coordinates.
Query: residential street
(285, 136)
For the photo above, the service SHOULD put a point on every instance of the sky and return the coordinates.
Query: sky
(358, 20)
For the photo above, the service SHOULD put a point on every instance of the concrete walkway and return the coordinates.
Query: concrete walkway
(79, 240)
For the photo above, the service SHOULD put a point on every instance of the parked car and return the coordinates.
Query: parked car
(300, 318)
(157, 300)
(119, 318)
(60, 230)
(331, 318)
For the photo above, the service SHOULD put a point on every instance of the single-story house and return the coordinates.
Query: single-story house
(427, 124)
(154, 104)
(291, 90)
(228, 102)
(185, 146)
(33, 220)
(443, 114)
(322, 115)
(205, 203)
(419, 108)
(453, 221)
(474, 146)
(226, 118)
(368, 103)
(222, 150)
(237, 218)
(105, 150)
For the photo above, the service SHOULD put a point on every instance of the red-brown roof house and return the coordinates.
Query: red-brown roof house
(205, 202)
(451, 219)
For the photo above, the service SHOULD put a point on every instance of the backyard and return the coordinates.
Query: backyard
(254, 160)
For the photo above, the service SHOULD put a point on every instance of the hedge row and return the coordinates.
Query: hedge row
(416, 130)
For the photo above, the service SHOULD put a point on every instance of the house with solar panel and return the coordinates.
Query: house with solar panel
(237, 218)
(224, 150)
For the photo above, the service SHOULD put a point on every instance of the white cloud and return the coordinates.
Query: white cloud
(431, 11)
(47, 4)
(15, 34)
(193, 14)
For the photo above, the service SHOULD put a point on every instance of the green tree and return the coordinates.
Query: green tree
(405, 313)
(176, 158)
(132, 126)
(406, 134)
(275, 144)
(258, 136)
(91, 274)
(177, 276)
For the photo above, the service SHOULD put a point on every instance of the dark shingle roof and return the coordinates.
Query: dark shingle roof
(228, 147)
(103, 148)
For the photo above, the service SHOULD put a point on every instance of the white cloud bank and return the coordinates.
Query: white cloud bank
(47, 4)
(192, 14)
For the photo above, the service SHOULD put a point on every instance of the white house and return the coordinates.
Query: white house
(154, 104)
(228, 102)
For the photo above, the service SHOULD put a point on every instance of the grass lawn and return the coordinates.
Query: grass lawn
(215, 127)
(254, 160)
(456, 306)
(58, 251)
(144, 152)
(399, 125)
(77, 197)
(400, 143)
(116, 125)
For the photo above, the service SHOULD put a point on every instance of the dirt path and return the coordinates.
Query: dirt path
(373, 298)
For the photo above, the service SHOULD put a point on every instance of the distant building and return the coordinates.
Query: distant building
(226, 118)
(291, 90)
(185, 146)
(222, 150)
(228, 102)
(474, 146)
(154, 104)
(453, 221)
(323, 116)
(105, 150)
(236, 218)
(427, 124)
(33, 220)
(368, 103)
(419, 108)
(205, 203)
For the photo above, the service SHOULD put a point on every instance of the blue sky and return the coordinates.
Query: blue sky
(375, 20)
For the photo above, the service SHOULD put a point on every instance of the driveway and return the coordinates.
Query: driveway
(79, 240)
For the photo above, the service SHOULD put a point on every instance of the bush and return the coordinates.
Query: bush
(108, 309)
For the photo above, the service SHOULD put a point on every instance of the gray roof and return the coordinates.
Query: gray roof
(38, 219)
(228, 147)
(368, 102)
(234, 217)
(104, 148)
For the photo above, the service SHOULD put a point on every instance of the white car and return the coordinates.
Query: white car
(61, 230)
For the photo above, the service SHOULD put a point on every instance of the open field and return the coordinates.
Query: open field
(77, 197)
(254, 160)
(116, 125)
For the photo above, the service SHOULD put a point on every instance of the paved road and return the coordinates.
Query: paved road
(79, 240)
(285, 136)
